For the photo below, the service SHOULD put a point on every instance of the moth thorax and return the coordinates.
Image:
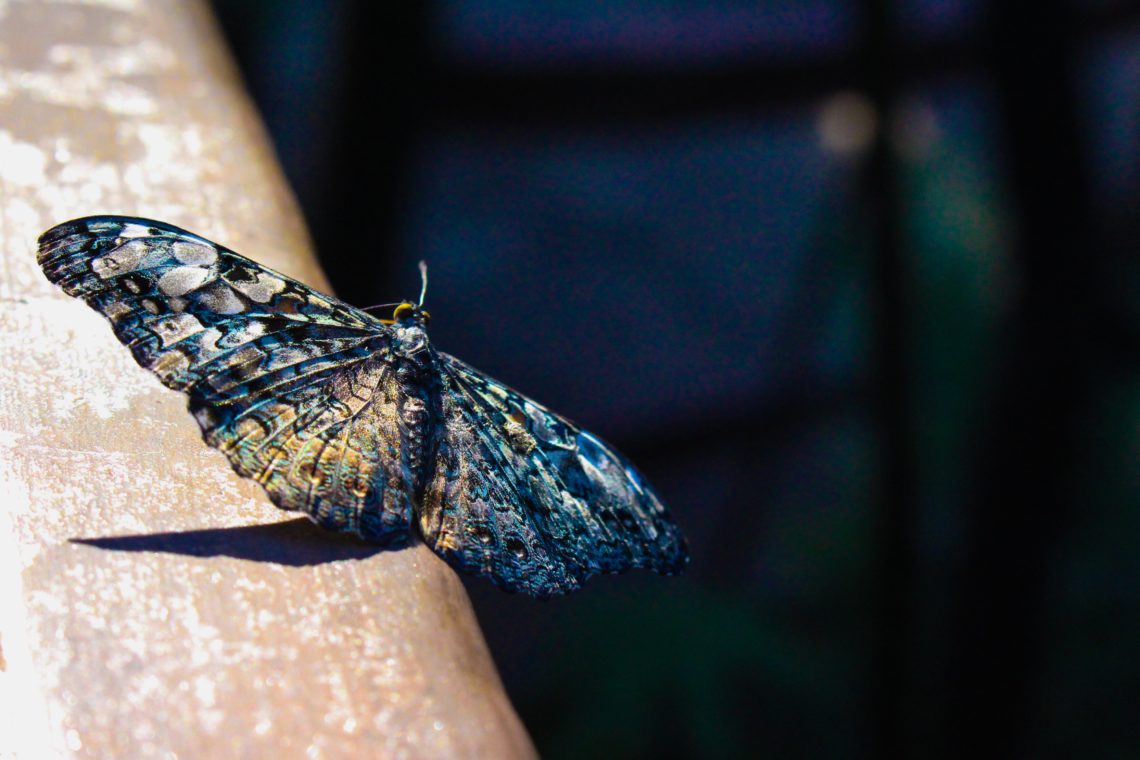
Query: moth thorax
(411, 340)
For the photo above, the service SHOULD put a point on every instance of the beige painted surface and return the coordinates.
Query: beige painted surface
(239, 641)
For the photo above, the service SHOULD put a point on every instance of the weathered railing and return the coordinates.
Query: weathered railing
(153, 603)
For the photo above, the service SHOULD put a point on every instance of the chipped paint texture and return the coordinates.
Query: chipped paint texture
(225, 648)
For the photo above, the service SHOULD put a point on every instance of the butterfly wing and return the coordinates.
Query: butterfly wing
(525, 497)
(292, 385)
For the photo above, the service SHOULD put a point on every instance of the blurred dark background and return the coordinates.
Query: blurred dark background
(856, 284)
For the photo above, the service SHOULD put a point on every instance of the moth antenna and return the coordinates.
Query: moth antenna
(379, 306)
(423, 276)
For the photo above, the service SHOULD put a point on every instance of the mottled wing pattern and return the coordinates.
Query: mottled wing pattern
(526, 498)
(323, 405)
(291, 385)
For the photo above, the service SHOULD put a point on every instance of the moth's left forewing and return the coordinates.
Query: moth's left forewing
(293, 386)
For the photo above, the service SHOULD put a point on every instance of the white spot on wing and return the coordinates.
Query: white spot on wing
(173, 329)
(207, 342)
(220, 299)
(133, 230)
(250, 331)
(260, 290)
(593, 457)
(128, 257)
(181, 280)
(287, 355)
(194, 253)
(116, 310)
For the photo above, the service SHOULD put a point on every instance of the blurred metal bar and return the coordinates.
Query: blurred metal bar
(893, 569)
(1025, 497)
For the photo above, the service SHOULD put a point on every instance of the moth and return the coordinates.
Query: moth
(359, 422)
